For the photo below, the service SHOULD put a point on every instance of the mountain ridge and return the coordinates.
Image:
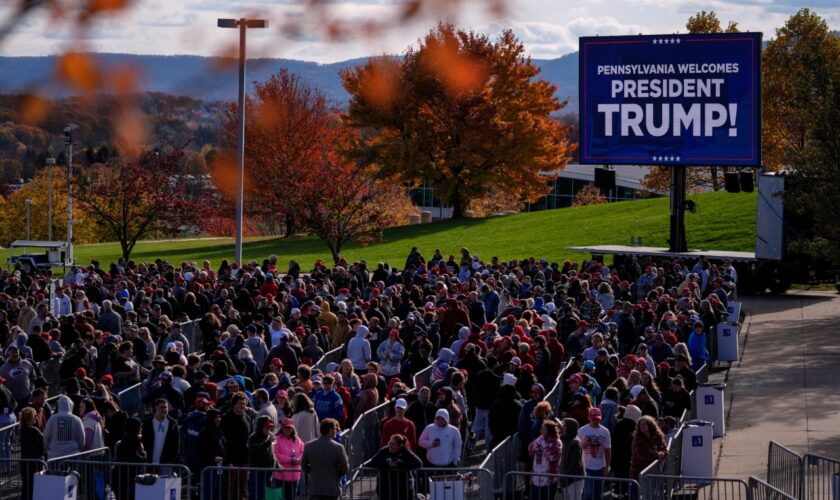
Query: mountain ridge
(215, 78)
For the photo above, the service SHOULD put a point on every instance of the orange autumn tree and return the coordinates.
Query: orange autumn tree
(462, 112)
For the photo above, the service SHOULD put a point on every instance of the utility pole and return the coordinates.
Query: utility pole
(50, 164)
(243, 24)
(68, 143)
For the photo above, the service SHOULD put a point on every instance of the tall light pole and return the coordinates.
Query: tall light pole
(50, 163)
(28, 209)
(243, 25)
(68, 143)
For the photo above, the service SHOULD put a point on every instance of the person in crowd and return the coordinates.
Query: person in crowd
(328, 403)
(261, 455)
(212, 449)
(547, 451)
(236, 427)
(622, 440)
(65, 433)
(571, 461)
(32, 450)
(288, 451)
(504, 413)
(19, 375)
(161, 436)
(307, 423)
(648, 446)
(597, 453)
(441, 441)
(325, 459)
(399, 424)
(394, 461)
(129, 450)
(93, 424)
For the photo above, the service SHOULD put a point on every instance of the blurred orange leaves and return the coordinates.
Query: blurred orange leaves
(380, 83)
(80, 71)
(456, 69)
(33, 109)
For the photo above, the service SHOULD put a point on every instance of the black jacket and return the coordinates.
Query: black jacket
(171, 444)
(237, 430)
(504, 414)
(32, 443)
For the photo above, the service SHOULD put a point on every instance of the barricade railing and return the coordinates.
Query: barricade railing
(104, 479)
(50, 370)
(785, 469)
(130, 399)
(670, 465)
(422, 378)
(98, 455)
(538, 486)
(821, 477)
(192, 332)
(703, 374)
(10, 442)
(502, 459)
(251, 482)
(16, 476)
(333, 356)
(760, 490)
(363, 442)
(659, 487)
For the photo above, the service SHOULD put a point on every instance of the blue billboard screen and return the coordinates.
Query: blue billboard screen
(671, 100)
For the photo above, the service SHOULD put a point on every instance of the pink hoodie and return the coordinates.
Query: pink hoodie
(283, 448)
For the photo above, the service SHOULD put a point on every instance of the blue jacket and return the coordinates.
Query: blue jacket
(328, 405)
(697, 349)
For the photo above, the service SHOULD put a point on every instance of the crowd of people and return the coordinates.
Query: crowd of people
(495, 335)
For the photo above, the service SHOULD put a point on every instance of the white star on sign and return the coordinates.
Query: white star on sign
(672, 158)
(655, 41)
(678, 40)
(678, 158)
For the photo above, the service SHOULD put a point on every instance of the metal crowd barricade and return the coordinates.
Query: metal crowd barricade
(502, 459)
(192, 332)
(422, 378)
(470, 483)
(545, 486)
(670, 465)
(333, 356)
(821, 477)
(364, 435)
(703, 374)
(16, 476)
(240, 483)
(98, 455)
(760, 490)
(130, 399)
(103, 479)
(785, 469)
(659, 487)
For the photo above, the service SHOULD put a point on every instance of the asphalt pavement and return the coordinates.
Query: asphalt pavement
(786, 387)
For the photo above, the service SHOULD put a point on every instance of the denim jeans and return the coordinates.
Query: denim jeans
(593, 489)
(481, 425)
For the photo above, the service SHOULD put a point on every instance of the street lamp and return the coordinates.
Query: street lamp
(243, 24)
(50, 163)
(28, 208)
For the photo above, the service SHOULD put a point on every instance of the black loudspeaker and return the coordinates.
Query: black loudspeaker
(731, 182)
(605, 181)
(747, 184)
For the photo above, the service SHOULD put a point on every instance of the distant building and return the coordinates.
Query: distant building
(572, 179)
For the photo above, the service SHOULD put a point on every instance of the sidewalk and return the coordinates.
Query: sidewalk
(786, 388)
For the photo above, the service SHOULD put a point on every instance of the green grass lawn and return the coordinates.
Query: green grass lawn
(723, 221)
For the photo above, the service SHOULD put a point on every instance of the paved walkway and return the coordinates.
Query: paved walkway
(786, 388)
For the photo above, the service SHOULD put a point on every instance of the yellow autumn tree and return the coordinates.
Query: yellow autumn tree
(13, 212)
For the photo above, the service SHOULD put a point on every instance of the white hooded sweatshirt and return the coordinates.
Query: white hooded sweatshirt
(448, 452)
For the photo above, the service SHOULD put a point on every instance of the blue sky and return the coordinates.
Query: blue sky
(549, 28)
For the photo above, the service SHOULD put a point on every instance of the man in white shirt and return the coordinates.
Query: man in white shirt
(441, 441)
(596, 453)
(161, 437)
(62, 305)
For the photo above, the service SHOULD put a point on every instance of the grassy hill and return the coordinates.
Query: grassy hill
(723, 221)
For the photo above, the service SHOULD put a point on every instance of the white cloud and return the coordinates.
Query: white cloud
(548, 28)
